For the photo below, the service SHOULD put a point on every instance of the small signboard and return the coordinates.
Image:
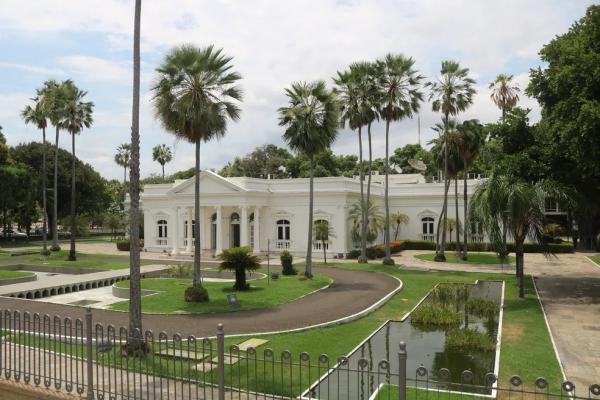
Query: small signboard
(232, 300)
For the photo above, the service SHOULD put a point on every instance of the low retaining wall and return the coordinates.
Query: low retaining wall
(52, 270)
(22, 279)
(123, 293)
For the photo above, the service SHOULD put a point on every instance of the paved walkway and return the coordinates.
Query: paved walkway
(351, 292)
(569, 288)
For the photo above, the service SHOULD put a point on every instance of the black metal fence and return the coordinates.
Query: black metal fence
(94, 362)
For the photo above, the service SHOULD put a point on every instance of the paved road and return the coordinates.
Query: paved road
(569, 288)
(351, 292)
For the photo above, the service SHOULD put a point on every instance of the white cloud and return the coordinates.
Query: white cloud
(33, 68)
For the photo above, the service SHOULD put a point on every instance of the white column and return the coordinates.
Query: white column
(219, 244)
(244, 226)
(257, 229)
(175, 229)
(188, 248)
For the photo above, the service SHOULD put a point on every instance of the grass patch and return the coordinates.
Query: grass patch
(14, 274)
(595, 259)
(260, 295)
(474, 258)
(468, 340)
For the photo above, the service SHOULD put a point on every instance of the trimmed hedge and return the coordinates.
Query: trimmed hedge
(124, 245)
(398, 246)
(287, 263)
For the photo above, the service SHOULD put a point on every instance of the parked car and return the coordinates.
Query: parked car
(14, 234)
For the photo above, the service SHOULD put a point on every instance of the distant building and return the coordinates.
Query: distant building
(273, 213)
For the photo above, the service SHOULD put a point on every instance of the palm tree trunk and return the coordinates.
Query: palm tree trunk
(135, 342)
(197, 279)
(440, 255)
(163, 170)
(324, 252)
(439, 225)
(369, 170)
(458, 249)
(386, 235)
(520, 259)
(396, 231)
(45, 211)
(55, 246)
(465, 217)
(363, 228)
(308, 271)
(124, 175)
(72, 255)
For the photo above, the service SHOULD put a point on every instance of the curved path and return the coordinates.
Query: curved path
(352, 292)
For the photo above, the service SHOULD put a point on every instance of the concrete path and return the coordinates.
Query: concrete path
(569, 288)
(351, 292)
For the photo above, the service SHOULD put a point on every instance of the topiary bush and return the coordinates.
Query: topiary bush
(287, 263)
(196, 294)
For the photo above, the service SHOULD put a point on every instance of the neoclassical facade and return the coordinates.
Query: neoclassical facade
(272, 214)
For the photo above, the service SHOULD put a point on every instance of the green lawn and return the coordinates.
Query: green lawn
(261, 294)
(474, 258)
(59, 259)
(14, 274)
(595, 259)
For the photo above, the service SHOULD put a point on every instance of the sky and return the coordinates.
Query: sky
(273, 43)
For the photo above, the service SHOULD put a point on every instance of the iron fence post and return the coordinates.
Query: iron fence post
(89, 355)
(402, 356)
(221, 360)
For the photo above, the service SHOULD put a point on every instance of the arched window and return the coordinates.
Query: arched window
(283, 234)
(235, 218)
(162, 235)
(321, 241)
(251, 220)
(427, 226)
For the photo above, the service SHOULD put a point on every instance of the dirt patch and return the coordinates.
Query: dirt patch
(512, 331)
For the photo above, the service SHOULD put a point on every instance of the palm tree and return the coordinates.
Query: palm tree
(454, 225)
(521, 205)
(452, 93)
(52, 96)
(311, 119)
(136, 339)
(123, 158)
(374, 225)
(505, 93)
(353, 88)
(162, 153)
(77, 115)
(399, 84)
(239, 260)
(470, 145)
(399, 219)
(194, 98)
(38, 116)
(322, 232)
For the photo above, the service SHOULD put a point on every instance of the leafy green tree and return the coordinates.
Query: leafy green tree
(77, 115)
(38, 116)
(264, 161)
(403, 155)
(162, 154)
(311, 119)
(505, 93)
(568, 90)
(240, 260)
(451, 94)
(123, 158)
(194, 98)
(322, 232)
(399, 84)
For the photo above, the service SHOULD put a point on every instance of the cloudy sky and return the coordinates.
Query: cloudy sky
(273, 43)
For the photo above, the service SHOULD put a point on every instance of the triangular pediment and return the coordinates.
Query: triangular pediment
(210, 183)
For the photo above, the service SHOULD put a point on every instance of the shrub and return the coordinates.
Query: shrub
(434, 315)
(287, 263)
(180, 271)
(468, 340)
(353, 254)
(240, 260)
(125, 244)
(418, 245)
(197, 294)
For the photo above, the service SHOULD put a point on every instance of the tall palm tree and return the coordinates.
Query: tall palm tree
(311, 120)
(123, 158)
(52, 96)
(505, 93)
(77, 115)
(399, 219)
(470, 145)
(352, 88)
(522, 205)
(38, 116)
(451, 94)
(194, 97)
(162, 153)
(399, 84)
(136, 339)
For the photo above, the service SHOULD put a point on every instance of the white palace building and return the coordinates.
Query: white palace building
(271, 214)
